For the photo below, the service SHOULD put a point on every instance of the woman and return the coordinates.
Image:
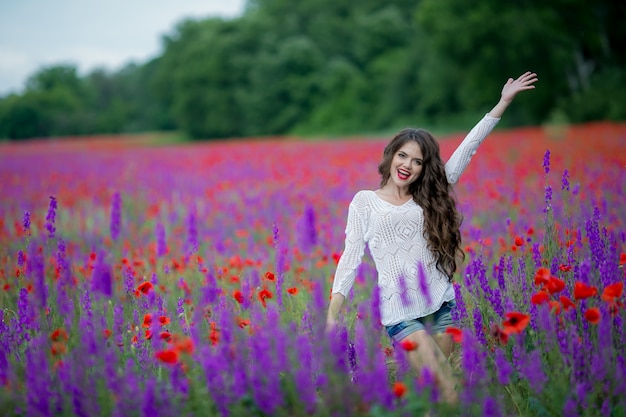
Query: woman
(412, 228)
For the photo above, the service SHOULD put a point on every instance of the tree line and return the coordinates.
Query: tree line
(341, 67)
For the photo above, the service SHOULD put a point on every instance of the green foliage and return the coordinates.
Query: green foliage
(339, 67)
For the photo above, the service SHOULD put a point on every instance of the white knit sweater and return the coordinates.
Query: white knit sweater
(395, 237)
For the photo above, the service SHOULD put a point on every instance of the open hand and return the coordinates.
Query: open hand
(523, 82)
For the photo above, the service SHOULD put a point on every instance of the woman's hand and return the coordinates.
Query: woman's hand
(336, 301)
(523, 82)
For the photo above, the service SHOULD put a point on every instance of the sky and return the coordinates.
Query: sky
(90, 34)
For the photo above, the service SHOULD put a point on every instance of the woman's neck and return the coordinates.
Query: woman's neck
(392, 190)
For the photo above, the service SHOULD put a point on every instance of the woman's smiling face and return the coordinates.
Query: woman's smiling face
(406, 165)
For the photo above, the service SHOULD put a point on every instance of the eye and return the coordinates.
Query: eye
(418, 162)
(401, 154)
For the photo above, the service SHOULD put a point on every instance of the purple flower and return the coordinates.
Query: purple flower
(500, 274)
(537, 257)
(423, 284)
(37, 266)
(546, 161)
(303, 373)
(473, 368)
(37, 383)
(116, 215)
(570, 408)
(490, 408)
(102, 277)
(375, 306)
(26, 221)
(503, 367)
(496, 302)
(61, 254)
(50, 217)
(118, 324)
(403, 291)
(429, 382)
(478, 326)
(160, 240)
(149, 407)
(460, 312)
(275, 232)
(548, 198)
(20, 259)
(306, 229)
(565, 180)
(25, 313)
(533, 371)
(192, 233)
(211, 289)
(180, 312)
(129, 281)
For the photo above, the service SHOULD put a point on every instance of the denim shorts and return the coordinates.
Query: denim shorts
(434, 323)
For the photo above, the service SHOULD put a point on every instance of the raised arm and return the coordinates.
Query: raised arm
(348, 264)
(524, 82)
(463, 154)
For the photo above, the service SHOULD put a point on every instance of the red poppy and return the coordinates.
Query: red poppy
(539, 297)
(555, 285)
(107, 333)
(145, 287)
(242, 322)
(515, 323)
(147, 320)
(542, 276)
(163, 320)
(58, 335)
(408, 345)
(270, 276)
(58, 364)
(185, 345)
(265, 294)
(58, 349)
(565, 268)
(388, 351)
(167, 336)
(612, 292)
(498, 334)
(238, 296)
(622, 258)
(456, 333)
(292, 290)
(519, 241)
(555, 306)
(148, 334)
(567, 303)
(214, 336)
(399, 389)
(593, 315)
(582, 290)
(167, 356)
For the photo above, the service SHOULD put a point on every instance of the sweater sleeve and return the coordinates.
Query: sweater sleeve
(463, 154)
(352, 254)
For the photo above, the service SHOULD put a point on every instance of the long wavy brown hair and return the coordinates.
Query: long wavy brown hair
(432, 192)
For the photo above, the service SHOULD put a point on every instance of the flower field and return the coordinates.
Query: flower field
(193, 280)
